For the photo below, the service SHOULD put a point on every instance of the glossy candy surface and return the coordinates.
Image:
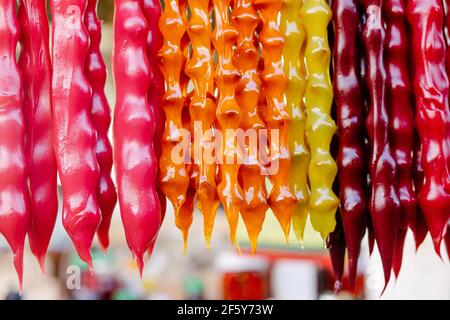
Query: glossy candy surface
(74, 132)
(291, 26)
(281, 199)
(133, 129)
(36, 69)
(401, 122)
(101, 119)
(352, 155)
(174, 178)
(200, 69)
(14, 197)
(431, 87)
(152, 10)
(384, 203)
(320, 127)
(228, 114)
(248, 90)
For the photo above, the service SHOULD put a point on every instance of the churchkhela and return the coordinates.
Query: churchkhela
(340, 114)
(36, 69)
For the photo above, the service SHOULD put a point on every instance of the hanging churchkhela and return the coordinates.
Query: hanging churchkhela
(101, 119)
(228, 114)
(194, 77)
(14, 197)
(352, 157)
(202, 111)
(133, 129)
(253, 181)
(320, 126)
(281, 200)
(401, 119)
(36, 69)
(431, 86)
(74, 141)
(294, 67)
(384, 204)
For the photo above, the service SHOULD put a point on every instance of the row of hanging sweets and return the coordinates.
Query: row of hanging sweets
(362, 143)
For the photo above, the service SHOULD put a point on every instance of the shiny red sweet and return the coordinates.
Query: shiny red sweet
(36, 69)
(133, 129)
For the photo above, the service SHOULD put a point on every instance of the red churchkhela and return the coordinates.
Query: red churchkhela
(101, 117)
(133, 130)
(14, 197)
(384, 203)
(152, 11)
(399, 106)
(431, 86)
(74, 132)
(352, 157)
(36, 71)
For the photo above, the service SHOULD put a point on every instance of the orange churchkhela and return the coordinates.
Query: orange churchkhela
(184, 219)
(174, 177)
(281, 200)
(202, 111)
(228, 114)
(254, 207)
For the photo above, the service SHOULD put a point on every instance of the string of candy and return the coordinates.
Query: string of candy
(447, 59)
(254, 207)
(74, 141)
(15, 215)
(185, 217)
(133, 130)
(384, 204)
(174, 179)
(152, 11)
(401, 124)
(431, 87)
(228, 114)
(95, 69)
(203, 111)
(418, 225)
(36, 69)
(294, 68)
(316, 16)
(352, 157)
(281, 200)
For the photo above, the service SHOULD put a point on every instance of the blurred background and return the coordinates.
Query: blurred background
(277, 271)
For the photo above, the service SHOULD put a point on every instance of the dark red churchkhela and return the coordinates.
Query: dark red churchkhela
(352, 156)
(336, 244)
(14, 198)
(431, 86)
(36, 70)
(74, 133)
(384, 203)
(101, 118)
(418, 225)
(133, 129)
(401, 118)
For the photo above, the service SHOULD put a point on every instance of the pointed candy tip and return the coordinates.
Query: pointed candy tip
(185, 240)
(140, 263)
(352, 270)
(18, 265)
(253, 243)
(208, 243)
(437, 247)
(41, 261)
(104, 243)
